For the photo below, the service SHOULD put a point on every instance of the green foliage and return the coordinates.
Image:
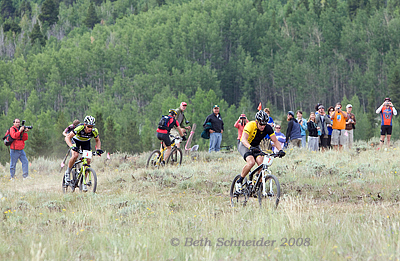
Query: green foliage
(37, 36)
(91, 18)
(49, 13)
(7, 9)
(394, 86)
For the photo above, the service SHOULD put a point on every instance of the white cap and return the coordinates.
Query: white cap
(349, 106)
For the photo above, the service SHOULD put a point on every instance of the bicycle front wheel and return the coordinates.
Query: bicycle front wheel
(154, 160)
(175, 158)
(88, 182)
(272, 193)
(239, 198)
(71, 186)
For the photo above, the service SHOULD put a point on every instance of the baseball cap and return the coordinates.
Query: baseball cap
(349, 106)
(290, 113)
(183, 104)
(215, 106)
(242, 115)
(387, 99)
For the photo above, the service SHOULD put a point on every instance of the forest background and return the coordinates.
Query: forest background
(126, 62)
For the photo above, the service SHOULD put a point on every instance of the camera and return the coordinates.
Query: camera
(242, 117)
(338, 108)
(187, 122)
(26, 127)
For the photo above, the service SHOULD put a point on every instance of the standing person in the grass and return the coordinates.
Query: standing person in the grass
(323, 122)
(330, 111)
(20, 135)
(181, 119)
(351, 121)
(216, 130)
(339, 118)
(239, 124)
(281, 138)
(270, 120)
(313, 138)
(293, 133)
(386, 110)
(303, 128)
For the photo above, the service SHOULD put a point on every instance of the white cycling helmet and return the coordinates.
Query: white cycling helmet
(89, 120)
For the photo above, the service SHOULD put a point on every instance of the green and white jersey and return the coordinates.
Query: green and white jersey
(81, 135)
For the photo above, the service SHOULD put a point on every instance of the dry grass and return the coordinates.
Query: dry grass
(345, 205)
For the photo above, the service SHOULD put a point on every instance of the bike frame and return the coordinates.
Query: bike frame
(261, 169)
(82, 169)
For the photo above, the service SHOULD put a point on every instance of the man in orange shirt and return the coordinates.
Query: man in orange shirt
(339, 118)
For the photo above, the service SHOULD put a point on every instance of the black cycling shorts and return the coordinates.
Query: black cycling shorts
(386, 129)
(84, 145)
(165, 138)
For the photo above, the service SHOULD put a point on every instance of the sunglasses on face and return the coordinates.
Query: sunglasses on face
(89, 126)
(262, 124)
(277, 127)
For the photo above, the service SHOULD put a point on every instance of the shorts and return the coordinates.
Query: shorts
(165, 138)
(245, 152)
(386, 129)
(84, 145)
(338, 137)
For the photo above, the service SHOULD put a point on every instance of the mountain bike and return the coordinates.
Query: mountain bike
(82, 174)
(261, 185)
(156, 158)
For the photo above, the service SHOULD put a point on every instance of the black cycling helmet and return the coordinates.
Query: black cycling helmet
(172, 112)
(262, 117)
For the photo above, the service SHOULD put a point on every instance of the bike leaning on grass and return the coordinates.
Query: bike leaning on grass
(82, 175)
(156, 158)
(261, 185)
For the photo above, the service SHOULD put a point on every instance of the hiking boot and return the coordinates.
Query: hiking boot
(27, 177)
(84, 188)
(238, 187)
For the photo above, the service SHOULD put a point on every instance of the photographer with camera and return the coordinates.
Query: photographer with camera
(386, 110)
(239, 124)
(19, 132)
(339, 118)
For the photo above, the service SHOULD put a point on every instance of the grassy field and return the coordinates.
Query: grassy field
(335, 206)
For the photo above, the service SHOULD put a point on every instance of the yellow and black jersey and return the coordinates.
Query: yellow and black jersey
(81, 135)
(255, 135)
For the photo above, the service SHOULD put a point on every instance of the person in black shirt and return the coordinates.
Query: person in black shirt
(216, 130)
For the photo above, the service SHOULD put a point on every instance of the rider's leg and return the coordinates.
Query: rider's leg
(383, 140)
(388, 140)
(167, 152)
(250, 161)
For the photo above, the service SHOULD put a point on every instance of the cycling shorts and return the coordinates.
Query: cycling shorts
(245, 152)
(84, 145)
(386, 129)
(165, 138)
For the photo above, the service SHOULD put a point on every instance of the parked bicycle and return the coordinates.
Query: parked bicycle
(82, 175)
(261, 185)
(156, 158)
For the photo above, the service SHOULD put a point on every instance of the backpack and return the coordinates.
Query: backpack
(163, 124)
(7, 138)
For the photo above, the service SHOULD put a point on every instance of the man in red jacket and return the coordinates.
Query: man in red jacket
(20, 135)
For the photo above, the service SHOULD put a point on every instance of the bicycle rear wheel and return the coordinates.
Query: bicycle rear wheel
(154, 159)
(91, 181)
(238, 199)
(272, 193)
(175, 158)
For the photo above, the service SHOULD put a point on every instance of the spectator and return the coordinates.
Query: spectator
(281, 138)
(316, 108)
(240, 123)
(339, 124)
(303, 128)
(312, 133)
(20, 135)
(270, 120)
(181, 119)
(351, 121)
(330, 111)
(386, 110)
(70, 128)
(216, 130)
(293, 133)
(323, 122)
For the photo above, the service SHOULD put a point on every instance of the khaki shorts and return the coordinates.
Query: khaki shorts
(338, 137)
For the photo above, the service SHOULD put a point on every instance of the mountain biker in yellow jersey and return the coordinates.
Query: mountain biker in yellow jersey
(81, 136)
(249, 145)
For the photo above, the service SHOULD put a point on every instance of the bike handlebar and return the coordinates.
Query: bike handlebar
(274, 155)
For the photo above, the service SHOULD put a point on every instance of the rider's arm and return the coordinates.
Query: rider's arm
(68, 138)
(180, 131)
(244, 140)
(98, 143)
